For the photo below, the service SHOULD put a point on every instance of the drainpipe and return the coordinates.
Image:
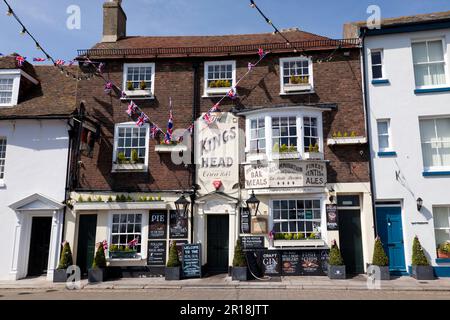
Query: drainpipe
(195, 108)
(369, 136)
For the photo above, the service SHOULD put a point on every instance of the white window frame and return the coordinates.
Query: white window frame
(444, 48)
(440, 228)
(433, 168)
(258, 121)
(299, 113)
(15, 76)
(301, 89)
(2, 179)
(131, 167)
(383, 69)
(389, 135)
(139, 94)
(208, 92)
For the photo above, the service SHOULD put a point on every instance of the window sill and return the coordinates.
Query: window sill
(214, 92)
(289, 93)
(297, 87)
(129, 167)
(432, 90)
(138, 94)
(443, 260)
(387, 154)
(286, 155)
(167, 148)
(435, 173)
(380, 81)
(346, 140)
(313, 156)
(299, 243)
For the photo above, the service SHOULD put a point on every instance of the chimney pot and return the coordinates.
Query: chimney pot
(114, 21)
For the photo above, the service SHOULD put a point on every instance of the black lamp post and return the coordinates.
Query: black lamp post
(182, 205)
(419, 203)
(253, 204)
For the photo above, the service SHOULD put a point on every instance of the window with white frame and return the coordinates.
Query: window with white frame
(125, 228)
(435, 138)
(257, 135)
(220, 76)
(6, 90)
(296, 74)
(310, 134)
(131, 144)
(429, 63)
(2, 157)
(139, 77)
(441, 217)
(377, 64)
(384, 139)
(284, 133)
(301, 217)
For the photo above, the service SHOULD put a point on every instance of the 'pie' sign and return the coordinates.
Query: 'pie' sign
(217, 184)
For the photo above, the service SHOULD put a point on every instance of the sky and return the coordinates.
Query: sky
(46, 19)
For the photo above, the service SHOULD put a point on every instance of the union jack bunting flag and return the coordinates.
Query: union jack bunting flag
(261, 53)
(39, 59)
(131, 108)
(20, 60)
(108, 86)
(250, 66)
(141, 120)
(154, 131)
(60, 62)
(209, 118)
(169, 132)
(232, 93)
(100, 68)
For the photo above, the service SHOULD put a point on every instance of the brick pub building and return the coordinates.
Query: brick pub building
(295, 136)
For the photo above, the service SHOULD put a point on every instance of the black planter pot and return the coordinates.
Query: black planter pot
(336, 272)
(239, 273)
(59, 275)
(172, 273)
(384, 272)
(96, 275)
(422, 272)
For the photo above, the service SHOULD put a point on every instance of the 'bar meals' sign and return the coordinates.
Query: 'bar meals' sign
(286, 174)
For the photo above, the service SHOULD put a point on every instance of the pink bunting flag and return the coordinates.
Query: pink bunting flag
(131, 108)
(60, 62)
(39, 59)
(20, 60)
(108, 87)
(250, 66)
(261, 53)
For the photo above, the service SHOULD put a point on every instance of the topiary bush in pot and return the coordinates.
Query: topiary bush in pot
(380, 261)
(336, 266)
(98, 271)
(239, 271)
(173, 266)
(65, 261)
(420, 269)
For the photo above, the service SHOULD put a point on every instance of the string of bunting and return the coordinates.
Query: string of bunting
(288, 43)
(59, 63)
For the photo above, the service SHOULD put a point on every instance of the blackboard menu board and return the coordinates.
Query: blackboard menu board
(271, 263)
(304, 262)
(332, 217)
(156, 253)
(158, 225)
(245, 220)
(178, 225)
(192, 260)
(290, 263)
(252, 242)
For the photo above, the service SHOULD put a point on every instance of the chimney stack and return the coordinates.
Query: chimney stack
(114, 21)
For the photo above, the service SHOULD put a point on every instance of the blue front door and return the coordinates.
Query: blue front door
(389, 227)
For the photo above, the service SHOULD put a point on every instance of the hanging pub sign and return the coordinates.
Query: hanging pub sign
(158, 225)
(245, 220)
(192, 260)
(178, 225)
(156, 253)
(332, 217)
(250, 243)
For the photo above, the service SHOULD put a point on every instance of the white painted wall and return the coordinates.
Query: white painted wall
(36, 162)
(398, 102)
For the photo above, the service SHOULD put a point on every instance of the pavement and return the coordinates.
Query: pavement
(223, 282)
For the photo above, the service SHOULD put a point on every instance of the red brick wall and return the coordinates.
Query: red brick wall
(337, 81)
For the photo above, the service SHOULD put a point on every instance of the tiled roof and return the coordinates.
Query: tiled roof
(179, 46)
(54, 96)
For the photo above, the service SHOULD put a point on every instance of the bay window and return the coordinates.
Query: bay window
(298, 217)
(296, 75)
(257, 135)
(220, 77)
(429, 63)
(284, 133)
(126, 232)
(310, 134)
(131, 145)
(435, 140)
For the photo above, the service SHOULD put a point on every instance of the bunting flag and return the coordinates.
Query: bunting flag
(250, 66)
(20, 60)
(71, 62)
(108, 87)
(232, 93)
(39, 59)
(131, 108)
(261, 53)
(142, 119)
(154, 130)
(60, 62)
(100, 68)
(133, 243)
(169, 131)
(123, 95)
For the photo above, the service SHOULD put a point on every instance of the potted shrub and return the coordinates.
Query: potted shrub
(130, 86)
(66, 260)
(172, 271)
(142, 85)
(97, 272)
(444, 250)
(121, 252)
(239, 271)
(381, 260)
(421, 269)
(336, 267)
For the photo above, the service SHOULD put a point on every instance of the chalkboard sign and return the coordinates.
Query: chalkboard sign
(270, 263)
(252, 242)
(158, 225)
(290, 263)
(178, 226)
(156, 253)
(332, 217)
(245, 220)
(192, 260)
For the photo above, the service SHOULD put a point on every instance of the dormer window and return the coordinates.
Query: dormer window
(296, 75)
(220, 77)
(9, 87)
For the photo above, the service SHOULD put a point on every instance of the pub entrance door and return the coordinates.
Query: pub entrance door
(217, 242)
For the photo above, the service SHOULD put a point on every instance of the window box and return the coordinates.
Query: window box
(313, 156)
(286, 155)
(297, 87)
(168, 148)
(346, 140)
(123, 255)
(138, 93)
(129, 167)
(299, 243)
